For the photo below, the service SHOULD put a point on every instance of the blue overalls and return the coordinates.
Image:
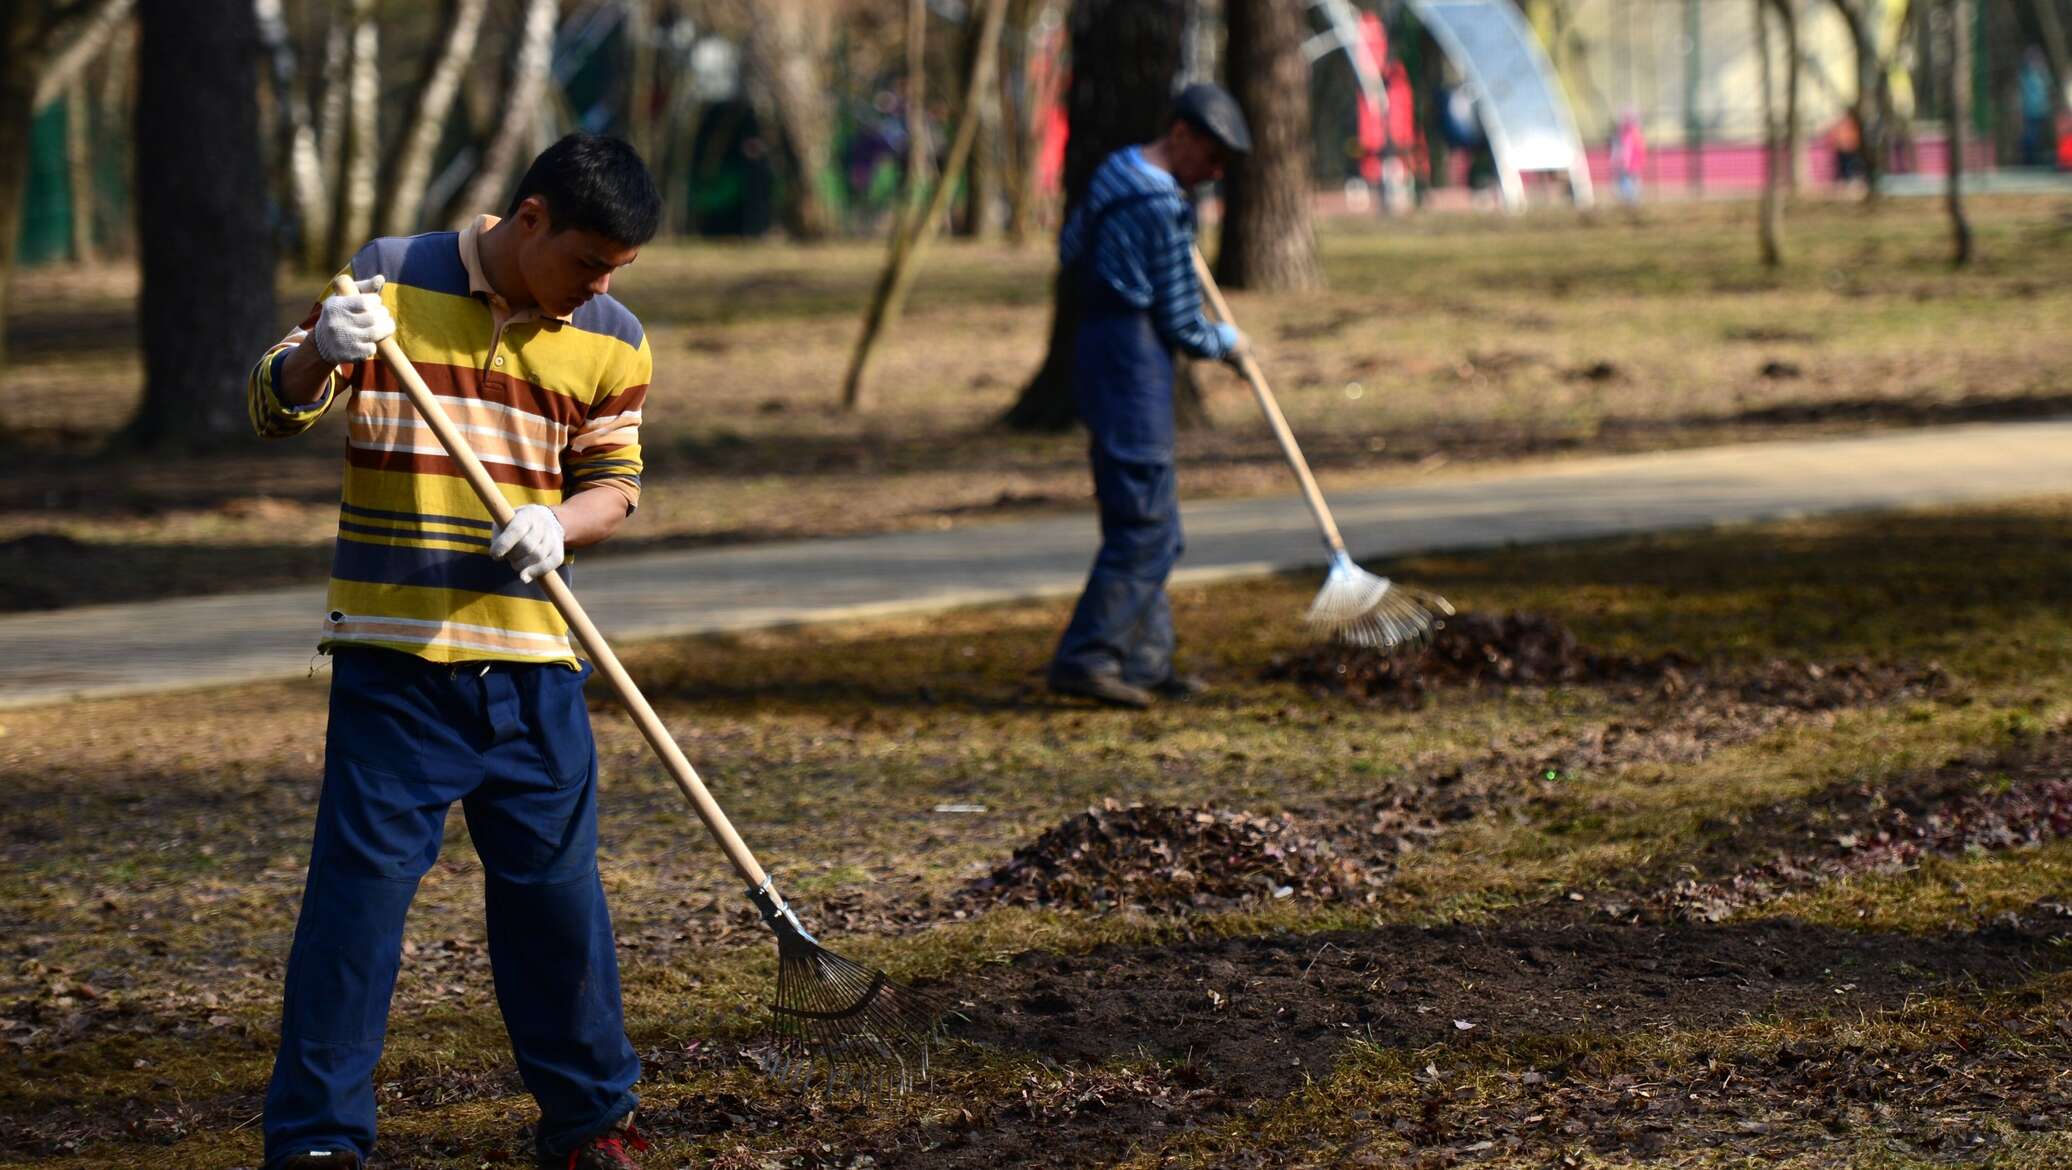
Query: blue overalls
(512, 744)
(1123, 377)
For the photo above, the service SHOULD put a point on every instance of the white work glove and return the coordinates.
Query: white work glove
(531, 542)
(349, 327)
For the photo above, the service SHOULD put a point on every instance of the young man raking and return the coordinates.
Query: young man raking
(454, 678)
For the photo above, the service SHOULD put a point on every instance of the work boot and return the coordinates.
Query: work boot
(322, 1160)
(611, 1150)
(1180, 686)
(1104, 687)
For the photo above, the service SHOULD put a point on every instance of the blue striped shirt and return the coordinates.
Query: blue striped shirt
(1142, 247)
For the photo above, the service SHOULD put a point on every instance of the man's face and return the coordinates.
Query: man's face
(1196, 157)
(563, 269)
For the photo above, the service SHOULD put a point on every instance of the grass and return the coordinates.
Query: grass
(1439, 342)
(154, 847)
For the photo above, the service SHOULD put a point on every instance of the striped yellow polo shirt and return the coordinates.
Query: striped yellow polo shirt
(551, 405)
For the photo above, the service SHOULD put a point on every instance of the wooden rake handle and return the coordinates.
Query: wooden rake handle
(1249, 367)
(600, 651)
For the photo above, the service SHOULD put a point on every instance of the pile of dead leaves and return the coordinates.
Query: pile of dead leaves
(1165, 858)
(1472, 650)
(2029, 812)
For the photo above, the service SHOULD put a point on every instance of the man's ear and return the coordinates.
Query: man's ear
(532, 214)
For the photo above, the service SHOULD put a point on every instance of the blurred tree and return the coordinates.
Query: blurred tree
(982, 169)
(520, 107)
(354, 224)
(1780, 136)
(912, 236)
(43, 45)
(1872, 67)
(1268, 241)
(1125, 54)
(1955, 21)
(207, 308)
(410, 170)
(789, 50)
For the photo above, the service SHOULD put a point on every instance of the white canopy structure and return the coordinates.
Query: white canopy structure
(1523, 108)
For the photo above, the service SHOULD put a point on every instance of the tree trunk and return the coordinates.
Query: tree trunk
(522, 101)
(1016, 138)
(1957, 17)
(207, 309)
(900, 266)
(1770, 214)
(355, 224)
(640, 88)
(2051, 24)
(1870, 66)
(303, 185)
(412, 168)
(980, 169)
(916, 176)
(788, 46)
(1125, 54)
(36, 46)
(79, 170)
(17, 116)
(92, 29)
(1788, 17)
(1268, 240)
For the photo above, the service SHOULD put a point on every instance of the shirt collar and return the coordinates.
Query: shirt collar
(478, 284)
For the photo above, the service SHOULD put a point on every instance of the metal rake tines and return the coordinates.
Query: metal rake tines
(1361, 608)
(840, 1022)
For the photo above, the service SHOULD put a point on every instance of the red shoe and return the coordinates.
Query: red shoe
(611, 1150)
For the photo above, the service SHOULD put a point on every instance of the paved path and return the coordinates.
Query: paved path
(120, 649)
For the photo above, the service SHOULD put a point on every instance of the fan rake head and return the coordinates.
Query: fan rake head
(838, 1022)
(1360, 608)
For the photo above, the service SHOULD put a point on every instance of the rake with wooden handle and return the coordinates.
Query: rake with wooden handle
(834, 1018)
(1355, 606)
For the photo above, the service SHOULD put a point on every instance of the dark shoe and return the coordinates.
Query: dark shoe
(1102, 688)
(1180, 686)
(611, 1150)
(322, 1160)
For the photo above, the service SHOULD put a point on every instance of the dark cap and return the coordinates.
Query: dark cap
(1211, 110)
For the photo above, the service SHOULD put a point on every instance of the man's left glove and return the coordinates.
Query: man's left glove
(531, 542)
(1232, 342)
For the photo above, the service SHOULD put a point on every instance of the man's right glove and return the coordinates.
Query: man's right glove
(349, 327)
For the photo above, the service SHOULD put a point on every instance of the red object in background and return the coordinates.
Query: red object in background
(1373, 124)
(2065, 140)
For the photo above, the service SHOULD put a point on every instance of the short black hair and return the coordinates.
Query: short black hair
(596, 183)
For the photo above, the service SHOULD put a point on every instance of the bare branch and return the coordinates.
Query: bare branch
(85, 29)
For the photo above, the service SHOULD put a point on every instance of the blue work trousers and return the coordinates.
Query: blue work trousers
(1124, 621)
(1123, 376)
(512, 744)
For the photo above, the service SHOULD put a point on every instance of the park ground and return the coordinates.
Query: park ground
(1440, 343)
(1768, 867)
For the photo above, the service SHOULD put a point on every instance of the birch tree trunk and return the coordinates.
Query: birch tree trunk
(360, 156)
(412, 168)
(521, 104)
